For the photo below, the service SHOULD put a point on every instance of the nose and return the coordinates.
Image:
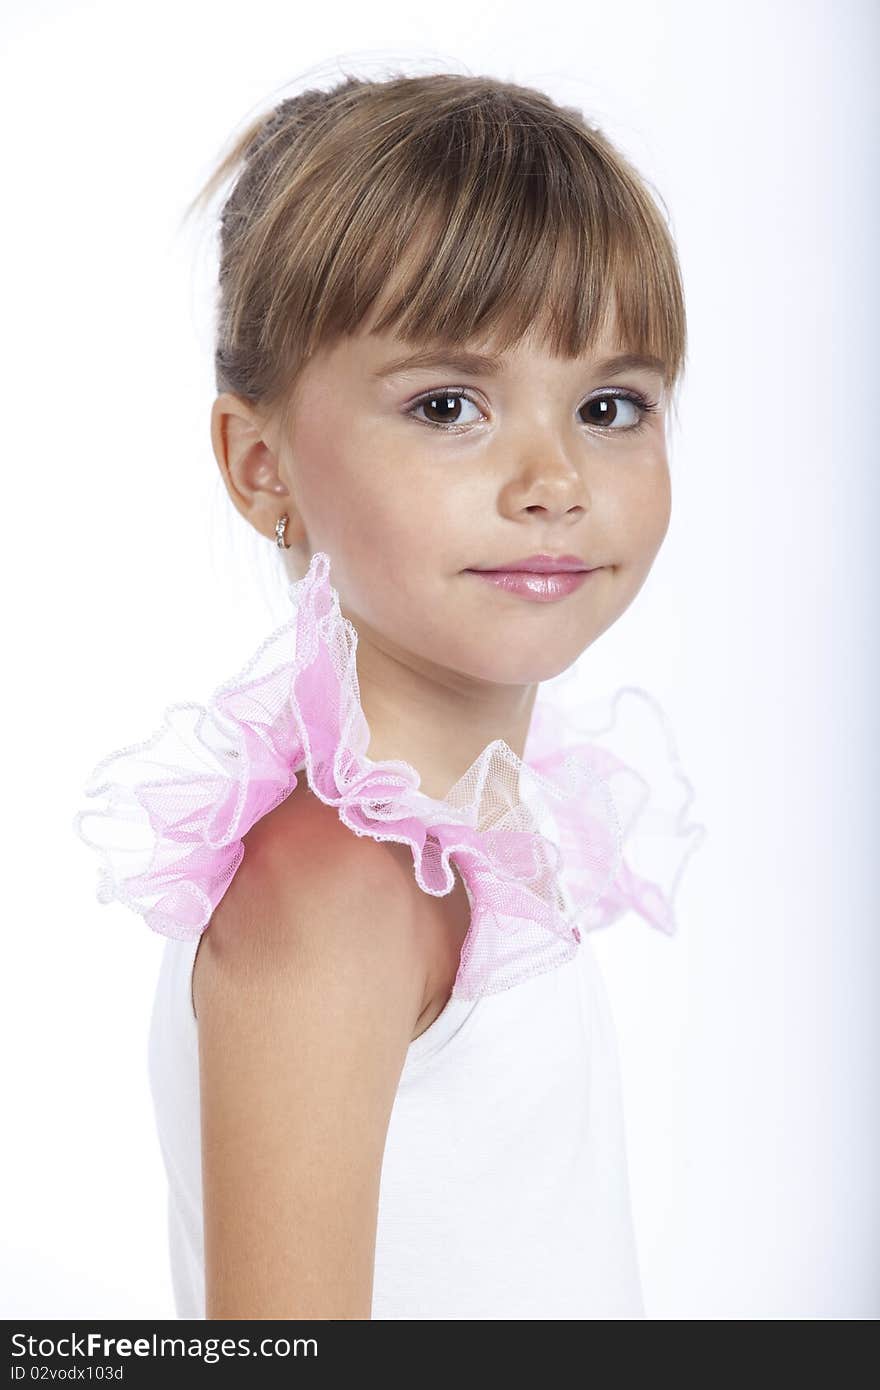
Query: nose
(548, 480)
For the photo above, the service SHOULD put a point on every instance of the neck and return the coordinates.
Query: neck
(436, 720)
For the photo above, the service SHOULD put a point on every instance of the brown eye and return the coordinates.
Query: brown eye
(609, 410)
(442, 408)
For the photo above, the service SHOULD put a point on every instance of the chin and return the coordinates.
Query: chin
(520, 668)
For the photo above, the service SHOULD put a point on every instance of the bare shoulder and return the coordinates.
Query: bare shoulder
(307, 985)
(309, 891)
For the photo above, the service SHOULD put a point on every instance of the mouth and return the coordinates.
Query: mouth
(538, 564)
(542, 586)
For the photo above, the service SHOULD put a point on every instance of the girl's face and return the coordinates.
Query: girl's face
(411, 475)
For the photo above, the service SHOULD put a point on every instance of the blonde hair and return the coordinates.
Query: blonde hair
(495, 209)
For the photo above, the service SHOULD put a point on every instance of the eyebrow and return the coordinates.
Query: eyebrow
(478, 364)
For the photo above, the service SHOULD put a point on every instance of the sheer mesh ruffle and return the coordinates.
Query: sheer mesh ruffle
(538, 841)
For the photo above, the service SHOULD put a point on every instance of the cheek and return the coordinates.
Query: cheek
(355, 506)
(659, 510)
(343, 494)
(643, 510)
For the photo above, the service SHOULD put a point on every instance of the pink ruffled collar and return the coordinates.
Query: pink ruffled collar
(548, 846)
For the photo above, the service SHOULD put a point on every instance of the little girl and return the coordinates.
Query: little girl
(382, 1059)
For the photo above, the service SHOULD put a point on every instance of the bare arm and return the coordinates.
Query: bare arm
(307, 986)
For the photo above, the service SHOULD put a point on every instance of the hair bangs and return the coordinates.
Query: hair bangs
(445, 209)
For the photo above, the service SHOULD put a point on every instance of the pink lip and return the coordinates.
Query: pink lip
(539, 587)
(538, 564)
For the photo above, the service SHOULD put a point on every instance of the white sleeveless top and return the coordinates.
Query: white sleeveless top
(504, 1191)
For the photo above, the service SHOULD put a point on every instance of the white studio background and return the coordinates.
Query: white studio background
(749, 1040)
